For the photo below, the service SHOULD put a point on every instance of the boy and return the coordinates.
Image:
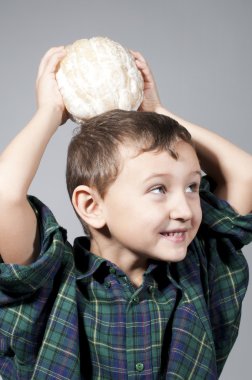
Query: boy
(156, 290)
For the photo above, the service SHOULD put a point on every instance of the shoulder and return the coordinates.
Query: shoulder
(55, 256)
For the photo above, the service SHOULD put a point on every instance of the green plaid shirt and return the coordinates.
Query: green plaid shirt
(72, 315)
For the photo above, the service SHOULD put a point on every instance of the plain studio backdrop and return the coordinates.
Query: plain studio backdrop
(199, 51)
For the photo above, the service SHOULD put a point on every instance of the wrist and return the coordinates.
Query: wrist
(50, 115)
(163, 111)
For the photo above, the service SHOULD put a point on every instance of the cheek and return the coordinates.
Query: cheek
(120, 212)
(197, 215)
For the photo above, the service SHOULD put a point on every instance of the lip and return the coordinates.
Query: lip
(176, 235)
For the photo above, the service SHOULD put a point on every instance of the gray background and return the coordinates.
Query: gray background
(199, 51)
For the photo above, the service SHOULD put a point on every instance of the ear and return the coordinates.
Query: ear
(88, 205)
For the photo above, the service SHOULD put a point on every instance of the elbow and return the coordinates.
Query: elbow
(241, 196)
(237, 193)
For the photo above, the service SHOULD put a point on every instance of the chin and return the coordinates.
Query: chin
(177, 256)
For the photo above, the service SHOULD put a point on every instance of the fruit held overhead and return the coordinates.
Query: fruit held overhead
(98, 75)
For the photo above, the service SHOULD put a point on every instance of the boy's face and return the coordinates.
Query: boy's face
(152, 210)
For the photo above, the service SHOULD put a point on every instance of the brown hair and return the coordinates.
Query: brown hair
(93, 154)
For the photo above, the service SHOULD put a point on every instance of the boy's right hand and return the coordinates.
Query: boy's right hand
(19, 243)
(47, 90)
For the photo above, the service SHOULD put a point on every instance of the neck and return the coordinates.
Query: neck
(132, 264)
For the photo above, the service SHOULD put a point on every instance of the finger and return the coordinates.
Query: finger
(47, 57)
(141, 63)
(138, 56)
(54, 61)
(50, 67)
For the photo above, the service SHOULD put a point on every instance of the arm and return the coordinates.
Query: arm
(19, 163)
(227, 164)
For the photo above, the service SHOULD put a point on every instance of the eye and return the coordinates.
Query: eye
(193, 188)
(159, 189)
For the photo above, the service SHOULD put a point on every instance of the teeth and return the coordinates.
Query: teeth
(177, 234)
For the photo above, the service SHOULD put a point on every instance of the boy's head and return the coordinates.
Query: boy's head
(106, 145)
(94, 157)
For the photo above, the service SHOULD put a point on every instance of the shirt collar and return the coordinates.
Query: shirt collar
(87, 263)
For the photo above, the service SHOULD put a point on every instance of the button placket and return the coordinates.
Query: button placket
(112, 270)
(136, 299)
(107, 284)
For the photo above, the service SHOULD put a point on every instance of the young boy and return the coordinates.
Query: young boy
(155, 291)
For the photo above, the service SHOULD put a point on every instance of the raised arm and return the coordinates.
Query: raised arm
(19, 163)
(227, 164)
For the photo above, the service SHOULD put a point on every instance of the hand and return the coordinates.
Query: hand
(151, 101)
(48, 94)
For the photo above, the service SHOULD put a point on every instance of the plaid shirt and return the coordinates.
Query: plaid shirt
(72, 315)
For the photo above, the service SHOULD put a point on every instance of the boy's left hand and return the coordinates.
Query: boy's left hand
(151, 101)
(47, 90)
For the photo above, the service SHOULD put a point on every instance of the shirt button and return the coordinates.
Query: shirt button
(136, 299)
(112, 270)
(139, 367)
(108, 284)
(151, 289)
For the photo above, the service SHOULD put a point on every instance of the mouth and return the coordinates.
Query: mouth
(177, 236)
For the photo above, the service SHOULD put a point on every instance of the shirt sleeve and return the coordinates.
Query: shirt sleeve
(219, 218)
(18, 282)
(224, 269)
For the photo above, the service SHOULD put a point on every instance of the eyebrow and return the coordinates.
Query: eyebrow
(198, 172)
(154, 175)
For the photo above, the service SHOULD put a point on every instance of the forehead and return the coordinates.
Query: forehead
(138, 168)
(133, 159)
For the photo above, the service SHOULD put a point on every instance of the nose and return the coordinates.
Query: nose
(180, 208)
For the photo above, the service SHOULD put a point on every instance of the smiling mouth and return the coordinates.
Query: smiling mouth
(175, 236)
